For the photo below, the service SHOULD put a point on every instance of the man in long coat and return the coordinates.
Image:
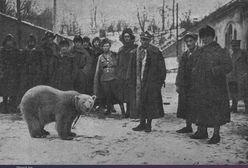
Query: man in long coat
(124, 55)
(10, 68)
(30, 68)
(183, 82)
(46, 50)
(210, 96)
(84, 63)
(63, 68)
(150, 75)
(238, 78)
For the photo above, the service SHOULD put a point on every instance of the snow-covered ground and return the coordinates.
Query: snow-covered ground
(111, 140)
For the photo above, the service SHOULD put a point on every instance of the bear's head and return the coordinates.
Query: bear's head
(85, 102)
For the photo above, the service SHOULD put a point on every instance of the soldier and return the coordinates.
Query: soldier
(10, 66)
(63, 68)
(97, 51)
(237, 79)
(150, 73)
(84, 64)
(29, 67)
(183, 82)
(210, 97)
(47, 50)
(105, 81)
(124, 55)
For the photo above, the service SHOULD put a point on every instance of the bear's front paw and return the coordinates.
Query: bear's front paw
(67, 138)
(72, 134)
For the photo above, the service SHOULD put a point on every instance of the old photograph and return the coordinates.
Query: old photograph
(124, 82)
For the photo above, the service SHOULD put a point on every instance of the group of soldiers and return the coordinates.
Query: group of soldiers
(134, 75)
(207, 78)
(46, 63)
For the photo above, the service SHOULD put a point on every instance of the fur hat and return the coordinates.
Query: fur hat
(128, 31)
(77, 38)
(86, 39)
(64, 42)
(9, 37)
(206, 31)
(96, 39)
(49, 35)
(105, 41)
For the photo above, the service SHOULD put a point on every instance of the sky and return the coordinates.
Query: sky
(114, 10)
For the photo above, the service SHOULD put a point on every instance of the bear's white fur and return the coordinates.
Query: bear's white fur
(41, 105)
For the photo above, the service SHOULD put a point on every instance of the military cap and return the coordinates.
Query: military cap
(206, 31)
(192, 35)
(146, 35)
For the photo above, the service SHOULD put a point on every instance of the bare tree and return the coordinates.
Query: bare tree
(6, 7)
(142, 18)
(93, 16)
(186, 21)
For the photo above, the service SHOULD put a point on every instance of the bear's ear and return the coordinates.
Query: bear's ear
(94, 97)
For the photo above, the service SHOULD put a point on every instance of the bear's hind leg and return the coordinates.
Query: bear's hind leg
(62, 130)
(35, 129)
(34, 126)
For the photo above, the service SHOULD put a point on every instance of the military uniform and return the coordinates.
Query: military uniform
(105, 81)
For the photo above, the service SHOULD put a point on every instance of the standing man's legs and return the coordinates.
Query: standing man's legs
(201, 133)
(216, 136)
(108, 95)
(233, 88)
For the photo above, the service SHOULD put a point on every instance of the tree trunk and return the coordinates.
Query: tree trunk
(18, 16)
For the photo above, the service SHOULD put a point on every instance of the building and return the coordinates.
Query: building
(230, 23)
(9, 26)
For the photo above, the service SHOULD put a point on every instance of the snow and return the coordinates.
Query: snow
(110, 140)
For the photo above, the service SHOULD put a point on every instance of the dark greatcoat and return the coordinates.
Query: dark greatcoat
(64, 71)
(94, 53)
(123, 59)
(10, 68)
(148, 98)
(209, 90)
(46, 51)
(183, 81)
(84, 63)
(30, 70)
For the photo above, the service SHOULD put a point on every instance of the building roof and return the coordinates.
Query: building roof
(31, 25)
(220, 12)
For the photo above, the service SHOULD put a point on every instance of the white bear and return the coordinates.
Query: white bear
(41, 105)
